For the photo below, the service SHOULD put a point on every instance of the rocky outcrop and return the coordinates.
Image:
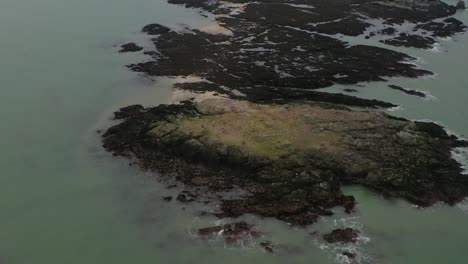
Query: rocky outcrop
(233, 233)
(155, 29)
(342, 235)
(292, 160)
(130, 47)
(407, 91)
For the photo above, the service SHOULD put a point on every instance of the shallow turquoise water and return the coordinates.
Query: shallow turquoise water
(64, 200)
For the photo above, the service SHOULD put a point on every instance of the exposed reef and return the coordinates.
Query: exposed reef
(232, 234)
(272, 50)
(407, 91)
(291, 159)
(342, 235)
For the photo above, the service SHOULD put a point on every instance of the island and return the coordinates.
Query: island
(291, 159)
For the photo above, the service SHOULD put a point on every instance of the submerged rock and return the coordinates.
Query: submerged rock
(232, 234)
(268, 246)
(349, 90)
(291, 159)
(349, 255)
(130, 47)
(155, 29)
(167, 198)
(345, 235)
(407, 91)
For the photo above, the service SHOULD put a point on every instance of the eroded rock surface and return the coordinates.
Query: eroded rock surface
(292, 160)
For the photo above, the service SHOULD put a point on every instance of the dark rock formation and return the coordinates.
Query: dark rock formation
(167, 198)
(155, 29)
(350, 90)
(349, 255)
(268, 246)
(407, 91)
(232, 234)
(345, 235)
(130, 47)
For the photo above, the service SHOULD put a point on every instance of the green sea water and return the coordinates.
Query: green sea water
(64, 200)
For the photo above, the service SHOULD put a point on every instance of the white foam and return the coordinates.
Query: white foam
(463, 205)
(461, 156)
(449, 131)
(430, 76)
(435, 48)
(428, 96)
(396, 108)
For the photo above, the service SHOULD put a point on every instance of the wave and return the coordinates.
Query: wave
(461, 156)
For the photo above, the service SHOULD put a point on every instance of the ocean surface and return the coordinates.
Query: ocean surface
(65, 200)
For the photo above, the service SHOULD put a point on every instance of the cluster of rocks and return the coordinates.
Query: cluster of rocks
(275, 51)
(233, 234)
(342, 235)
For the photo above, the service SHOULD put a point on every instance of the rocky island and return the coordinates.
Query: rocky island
(292, 159)
(290, 148)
